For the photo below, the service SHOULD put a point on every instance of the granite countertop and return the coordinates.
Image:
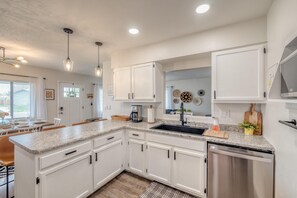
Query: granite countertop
(37, 143)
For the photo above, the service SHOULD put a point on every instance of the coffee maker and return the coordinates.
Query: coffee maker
(136, 113)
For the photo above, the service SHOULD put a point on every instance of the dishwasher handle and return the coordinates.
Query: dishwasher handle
(233, 153)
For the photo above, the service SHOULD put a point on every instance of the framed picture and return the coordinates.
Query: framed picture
(49, 94)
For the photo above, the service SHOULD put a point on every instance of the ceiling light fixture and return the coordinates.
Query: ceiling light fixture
(98, 69)
(202, 8)
(12, 61)
(133, 31)
(68, 63)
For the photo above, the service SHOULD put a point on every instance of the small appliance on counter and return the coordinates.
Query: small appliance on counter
(151, 114)
(136, 113)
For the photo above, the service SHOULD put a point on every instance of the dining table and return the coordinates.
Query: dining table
(14, 126)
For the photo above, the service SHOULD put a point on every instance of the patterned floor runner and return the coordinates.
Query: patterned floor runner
(156, 190)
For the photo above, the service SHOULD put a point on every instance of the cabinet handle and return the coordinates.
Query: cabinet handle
(214, 94)
(96, 157)
(174, 155)
(135, 134)
(110, 138)
(91, 159)
(142, 148)
(132, 95)
(129, 96)
(71, 152)
(168, 154)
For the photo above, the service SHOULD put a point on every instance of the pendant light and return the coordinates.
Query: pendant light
(68, 63)
(98, 69)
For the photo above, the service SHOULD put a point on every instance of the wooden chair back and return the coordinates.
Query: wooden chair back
(7, 149)
(52, 128)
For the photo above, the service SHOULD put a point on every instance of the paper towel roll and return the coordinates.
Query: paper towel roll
(150, 115)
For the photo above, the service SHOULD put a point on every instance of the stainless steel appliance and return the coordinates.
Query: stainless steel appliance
(288, 65)
(239, 173)
(136, 113)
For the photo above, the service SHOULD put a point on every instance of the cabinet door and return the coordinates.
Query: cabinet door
(189, 171)
(68, 180)
(122, 83)
(239, 74)
(108, 163)
(159, 162)
(136, 156)
(143, 80)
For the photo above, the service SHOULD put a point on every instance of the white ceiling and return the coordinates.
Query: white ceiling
(33, 29)
(204, 72)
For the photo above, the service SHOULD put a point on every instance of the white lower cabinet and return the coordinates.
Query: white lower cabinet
(159, 162)
(68, 180)
(108, 163)
(136, 156)
(189, 171)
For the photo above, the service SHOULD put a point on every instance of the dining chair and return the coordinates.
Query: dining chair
(30, 129)
(57, 121)
(53, 127)
(7, 157)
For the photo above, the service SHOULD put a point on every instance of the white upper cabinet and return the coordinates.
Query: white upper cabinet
(143, 82)
(122, 83)
(140, 83)
(238, 74)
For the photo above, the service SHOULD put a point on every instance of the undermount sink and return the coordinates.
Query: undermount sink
(181, 129)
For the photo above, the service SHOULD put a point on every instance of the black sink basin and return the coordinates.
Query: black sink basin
(181, 129)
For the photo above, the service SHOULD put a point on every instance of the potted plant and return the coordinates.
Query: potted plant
(248, 128)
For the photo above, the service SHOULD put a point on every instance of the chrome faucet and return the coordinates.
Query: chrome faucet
(182, 119)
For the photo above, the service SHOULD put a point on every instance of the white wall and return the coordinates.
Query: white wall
(193, 85)
(110, 107)
(281, 24)
(52, 78)
(241, 34)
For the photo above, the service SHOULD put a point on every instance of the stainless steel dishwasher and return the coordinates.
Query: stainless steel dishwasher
(239, 173)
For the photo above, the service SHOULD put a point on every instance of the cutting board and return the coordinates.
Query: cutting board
(120, 117)
(217, 134)
(254, 117)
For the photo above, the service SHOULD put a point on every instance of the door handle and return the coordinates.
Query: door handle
(110, 138)
(239, 155)
(71, 152)
(91, 159)
(168, 154)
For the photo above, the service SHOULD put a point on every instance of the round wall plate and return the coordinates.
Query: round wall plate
(176, 100)
(176, 93)
(197, 101)
(201, 92)
(186, 97)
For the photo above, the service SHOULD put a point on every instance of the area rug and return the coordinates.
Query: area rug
(156, 190)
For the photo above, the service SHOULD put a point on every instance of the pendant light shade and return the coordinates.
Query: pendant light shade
(68, 63)
(98, 69)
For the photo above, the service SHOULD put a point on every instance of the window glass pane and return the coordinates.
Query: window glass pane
(5, 97)
(21, 99)
(70, 92)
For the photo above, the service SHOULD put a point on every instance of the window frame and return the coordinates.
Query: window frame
(11, 97)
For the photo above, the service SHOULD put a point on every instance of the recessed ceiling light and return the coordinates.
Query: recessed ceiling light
(133, 31)
(19, 58)
(16, 65)
(202, 8)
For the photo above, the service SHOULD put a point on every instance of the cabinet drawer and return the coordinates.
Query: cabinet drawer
(178, 142)
(64, 154)
(136, 135)
(100, 141)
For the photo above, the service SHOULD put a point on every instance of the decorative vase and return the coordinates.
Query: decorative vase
(248, 131)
